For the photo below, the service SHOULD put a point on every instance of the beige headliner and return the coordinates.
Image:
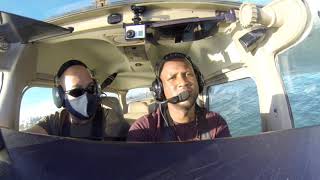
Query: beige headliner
(103, 48)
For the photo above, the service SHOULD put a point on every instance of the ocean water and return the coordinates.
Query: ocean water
(304, 95)
(238, 102)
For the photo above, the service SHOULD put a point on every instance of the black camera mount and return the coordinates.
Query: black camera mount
(138, 11)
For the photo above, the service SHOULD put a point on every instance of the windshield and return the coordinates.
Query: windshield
(117, 2)
(138, 94)
(42, 10)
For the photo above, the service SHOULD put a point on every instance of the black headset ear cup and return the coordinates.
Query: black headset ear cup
(200, 78)
(157, 88)
(98, 87)
(201, 83)
(58, 96)
(199, 75)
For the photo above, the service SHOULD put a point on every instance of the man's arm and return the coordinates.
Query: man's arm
(222, 129)
(140, 130)
(116, 126)
(36, 129)
(47, 125)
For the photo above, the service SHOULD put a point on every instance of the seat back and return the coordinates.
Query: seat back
(112, 103)
(116, 125)
(135, 111)
(152, 107)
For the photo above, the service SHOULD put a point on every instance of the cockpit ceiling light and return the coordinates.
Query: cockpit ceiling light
(138, 64)
(114, 18)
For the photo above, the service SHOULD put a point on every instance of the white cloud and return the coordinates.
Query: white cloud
(42, 109)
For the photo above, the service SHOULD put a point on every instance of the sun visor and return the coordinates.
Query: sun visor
(21, 29)
(190, 29)
(16, 31)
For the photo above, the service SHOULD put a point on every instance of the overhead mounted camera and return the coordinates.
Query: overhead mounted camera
(137, 30)
(138, 11)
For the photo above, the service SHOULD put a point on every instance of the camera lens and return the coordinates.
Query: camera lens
(130, 34)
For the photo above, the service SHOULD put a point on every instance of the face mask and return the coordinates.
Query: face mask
(83, 107)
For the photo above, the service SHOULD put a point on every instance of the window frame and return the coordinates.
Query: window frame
(1, 81)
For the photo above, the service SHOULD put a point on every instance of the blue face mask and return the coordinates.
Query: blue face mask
(83, 107)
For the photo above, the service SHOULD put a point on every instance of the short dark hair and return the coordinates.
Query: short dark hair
(170, 57)
(66, 65)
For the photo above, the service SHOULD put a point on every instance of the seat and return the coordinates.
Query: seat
(135, 111)
(116, 125)
(153, 107)
(112, 103)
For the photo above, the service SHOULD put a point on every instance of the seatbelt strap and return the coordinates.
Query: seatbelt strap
(97, 128)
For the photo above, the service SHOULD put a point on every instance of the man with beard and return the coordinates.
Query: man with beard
(82, 115)
(178, 118)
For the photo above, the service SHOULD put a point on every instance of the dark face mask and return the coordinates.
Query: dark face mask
(83, 107)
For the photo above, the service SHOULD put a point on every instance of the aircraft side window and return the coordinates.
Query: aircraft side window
(300, 71)
(237, 102)
(138, 94)
(36, 103)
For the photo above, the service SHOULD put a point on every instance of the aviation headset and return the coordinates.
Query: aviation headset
(57, 92)
(157, 85)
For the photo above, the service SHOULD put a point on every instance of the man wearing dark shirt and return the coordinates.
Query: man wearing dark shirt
(83, 115)
(178, 121)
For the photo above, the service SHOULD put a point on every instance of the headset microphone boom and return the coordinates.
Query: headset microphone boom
(183, 96)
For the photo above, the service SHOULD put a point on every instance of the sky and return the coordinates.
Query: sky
(36, 102)
(42, 10)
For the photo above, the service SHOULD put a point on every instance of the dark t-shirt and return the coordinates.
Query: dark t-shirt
(105, 125)
(151, 128)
